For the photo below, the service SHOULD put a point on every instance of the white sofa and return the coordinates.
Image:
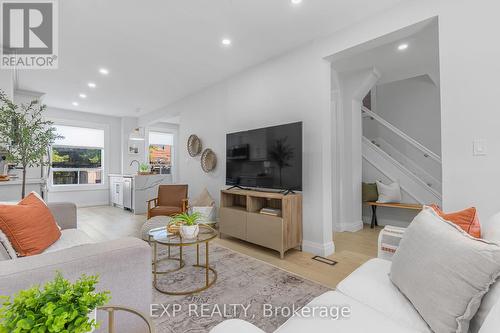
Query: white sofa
(376, 304)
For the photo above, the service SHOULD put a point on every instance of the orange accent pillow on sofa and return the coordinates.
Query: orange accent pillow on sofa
(466, 219)
(29, 226)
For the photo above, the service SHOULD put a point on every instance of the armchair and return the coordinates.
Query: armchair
(171, 200)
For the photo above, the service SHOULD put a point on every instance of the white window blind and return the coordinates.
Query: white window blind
(158, 138)
(79, 136)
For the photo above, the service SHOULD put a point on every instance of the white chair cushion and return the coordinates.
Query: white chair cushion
(362, 318)
(371, 286)
(69, 238)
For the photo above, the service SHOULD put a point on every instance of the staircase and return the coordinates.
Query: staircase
(402, 158)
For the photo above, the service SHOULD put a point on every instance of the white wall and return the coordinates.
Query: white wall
(270, 94)
(6, 83)
(413, 106)
(128, 124)
(296, 86)
(98, 194)
(348, 90)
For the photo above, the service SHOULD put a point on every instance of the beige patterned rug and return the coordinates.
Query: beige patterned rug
(243, 286)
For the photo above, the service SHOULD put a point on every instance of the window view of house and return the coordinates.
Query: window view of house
(160, 152)
(77, 158)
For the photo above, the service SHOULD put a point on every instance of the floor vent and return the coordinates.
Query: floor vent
(325, 260)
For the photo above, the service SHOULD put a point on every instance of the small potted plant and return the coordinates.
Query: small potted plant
(188, 224)
(144, 169)
(60, 306)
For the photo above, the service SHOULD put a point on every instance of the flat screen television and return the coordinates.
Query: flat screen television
(269, 158)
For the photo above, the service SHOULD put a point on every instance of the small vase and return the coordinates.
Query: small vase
(189, 231)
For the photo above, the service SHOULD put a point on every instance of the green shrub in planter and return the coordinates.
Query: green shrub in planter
(60, 306)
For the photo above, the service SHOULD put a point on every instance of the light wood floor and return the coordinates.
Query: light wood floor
(351, 248)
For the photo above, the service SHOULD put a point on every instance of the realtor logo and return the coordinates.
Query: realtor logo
(29, 34)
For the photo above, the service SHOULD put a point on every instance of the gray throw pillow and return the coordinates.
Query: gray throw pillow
(443, 271)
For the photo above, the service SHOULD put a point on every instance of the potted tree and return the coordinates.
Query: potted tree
(25, 134)
(60, 306)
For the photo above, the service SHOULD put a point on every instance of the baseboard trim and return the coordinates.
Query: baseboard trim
(351, 226)
(320, 249)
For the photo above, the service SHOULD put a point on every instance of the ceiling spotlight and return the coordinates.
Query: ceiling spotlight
(103, 71)
(296, 2)
(91, 85)
(75, 103)
(226, 42)
(82, 96)
(402, 47)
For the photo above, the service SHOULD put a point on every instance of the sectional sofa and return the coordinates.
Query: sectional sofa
(123, 265)
(377, 305)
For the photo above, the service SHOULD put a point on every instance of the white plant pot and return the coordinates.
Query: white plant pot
(189, 231)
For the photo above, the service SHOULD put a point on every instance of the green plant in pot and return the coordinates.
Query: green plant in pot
(60, 306)
(189, 228)
(144, 168)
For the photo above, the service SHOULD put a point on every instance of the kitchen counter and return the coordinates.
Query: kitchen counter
(11, 190)
(142, 189)
(13, 182)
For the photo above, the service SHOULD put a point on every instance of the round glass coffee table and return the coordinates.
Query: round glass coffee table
(160, 236)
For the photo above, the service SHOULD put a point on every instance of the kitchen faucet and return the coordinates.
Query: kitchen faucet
(138, 165)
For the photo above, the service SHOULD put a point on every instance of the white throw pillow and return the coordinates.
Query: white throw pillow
(388, 193)
(443, 271)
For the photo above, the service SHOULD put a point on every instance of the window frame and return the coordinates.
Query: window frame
(172, 130)
(104, 161)
(52, 169)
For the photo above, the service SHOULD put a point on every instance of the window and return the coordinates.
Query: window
(77, 158)
(160, 151)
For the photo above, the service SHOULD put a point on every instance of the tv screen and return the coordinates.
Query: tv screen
(269, 158)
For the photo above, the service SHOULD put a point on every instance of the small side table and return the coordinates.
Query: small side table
(160, 236)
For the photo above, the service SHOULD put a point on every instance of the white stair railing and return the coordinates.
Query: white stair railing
(426, 152)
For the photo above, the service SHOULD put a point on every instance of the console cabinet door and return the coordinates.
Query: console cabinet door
(233, 222)
(265, 230)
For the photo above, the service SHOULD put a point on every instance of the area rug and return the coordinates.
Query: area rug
(246, 288)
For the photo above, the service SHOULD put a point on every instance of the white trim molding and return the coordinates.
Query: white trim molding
(319, 249)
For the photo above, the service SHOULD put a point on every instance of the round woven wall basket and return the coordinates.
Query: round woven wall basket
(208, 160)
(194, 145)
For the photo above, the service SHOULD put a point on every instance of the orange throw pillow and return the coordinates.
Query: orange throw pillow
(466, 219)
(29, 226)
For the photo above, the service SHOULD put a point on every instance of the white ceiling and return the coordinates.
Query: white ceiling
(158, 51)
(420, 58)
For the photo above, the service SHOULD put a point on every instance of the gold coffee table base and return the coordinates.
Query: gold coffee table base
(177, 241)
(189, 292)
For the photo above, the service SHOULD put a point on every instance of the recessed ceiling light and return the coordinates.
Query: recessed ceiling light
(91, 85)
(82, 96)
(75, 103)
(103, 71)
(402, 47)
(226, 42)
(296, 2)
